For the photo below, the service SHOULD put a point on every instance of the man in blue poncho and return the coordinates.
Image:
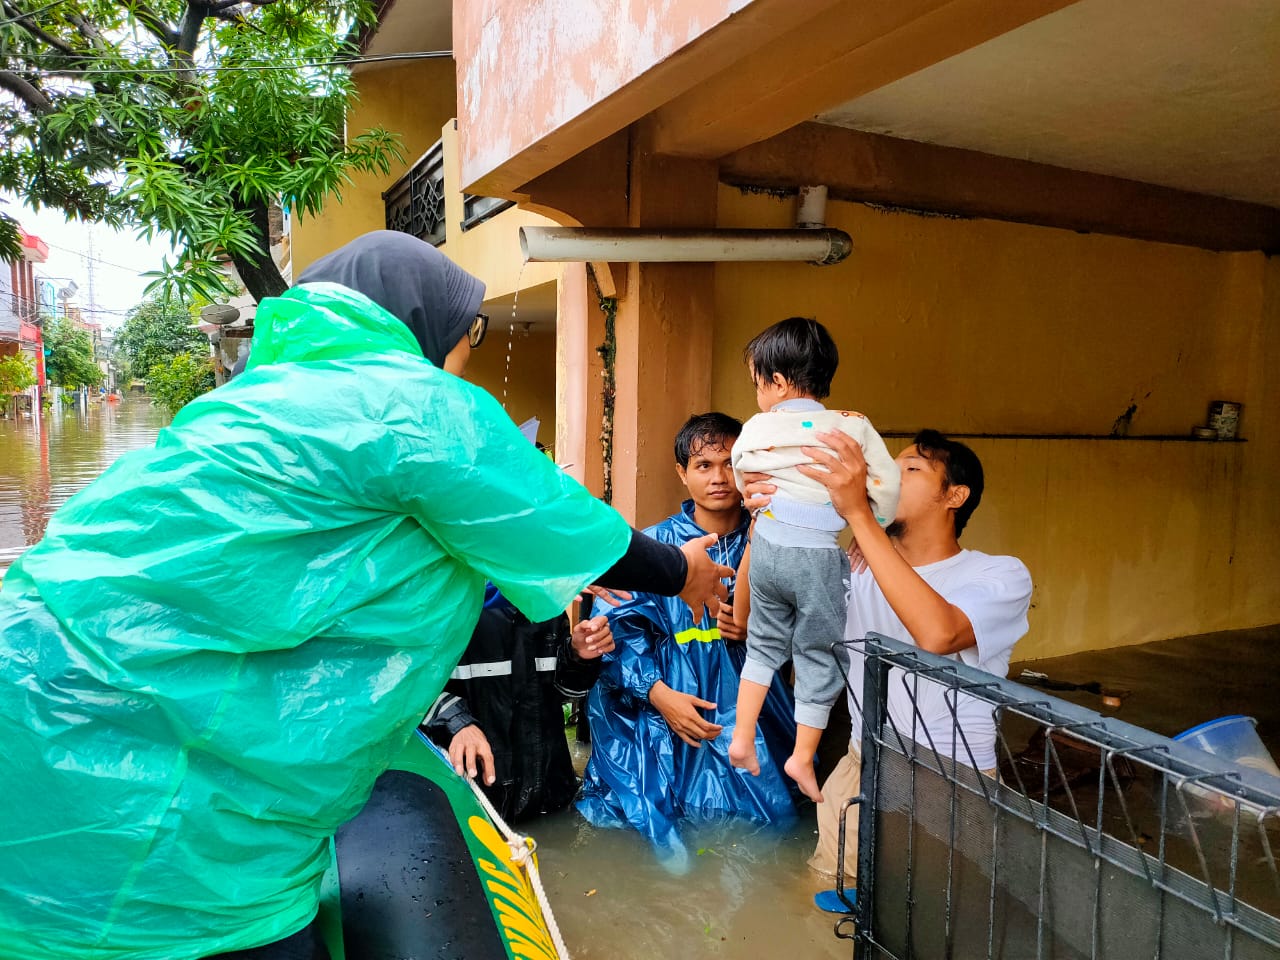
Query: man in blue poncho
(670, 686)
(220, 643)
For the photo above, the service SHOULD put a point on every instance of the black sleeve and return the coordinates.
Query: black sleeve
(447, 716)
(648, 566)
(574, 676)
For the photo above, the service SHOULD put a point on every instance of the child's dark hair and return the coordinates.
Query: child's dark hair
(963, 469)
(705, 429)
(800, 349)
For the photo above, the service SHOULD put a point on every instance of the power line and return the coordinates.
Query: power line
(32, 13)
(119, 266)
(248, 67)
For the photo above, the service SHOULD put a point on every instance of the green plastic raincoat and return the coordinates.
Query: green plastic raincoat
(220, 643)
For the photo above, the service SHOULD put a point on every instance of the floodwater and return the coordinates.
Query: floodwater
(43, 462)
(747, 893)
(1173, 685)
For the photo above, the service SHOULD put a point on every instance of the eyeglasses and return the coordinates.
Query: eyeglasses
(479, 326)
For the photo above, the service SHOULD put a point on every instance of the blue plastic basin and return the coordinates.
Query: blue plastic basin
(1232, 738)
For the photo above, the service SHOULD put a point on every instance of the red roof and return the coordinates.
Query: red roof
(33, 248)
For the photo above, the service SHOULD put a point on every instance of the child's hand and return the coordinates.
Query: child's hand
(730, 629)
(592, 638)
(759, 489)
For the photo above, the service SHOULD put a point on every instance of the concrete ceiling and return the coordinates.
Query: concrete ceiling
(534, 312)
(1180, 93)
(410, 26)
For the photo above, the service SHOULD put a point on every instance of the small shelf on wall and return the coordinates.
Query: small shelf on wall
(1137, 438)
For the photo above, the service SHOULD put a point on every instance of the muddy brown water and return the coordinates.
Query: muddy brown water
(44, 461)
(1173, 685)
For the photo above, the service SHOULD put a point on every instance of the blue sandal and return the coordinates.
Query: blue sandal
(831, 902)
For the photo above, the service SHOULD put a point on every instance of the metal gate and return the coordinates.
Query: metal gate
(1098, 839)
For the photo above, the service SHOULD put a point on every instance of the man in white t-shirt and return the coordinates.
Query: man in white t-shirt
(915, 583)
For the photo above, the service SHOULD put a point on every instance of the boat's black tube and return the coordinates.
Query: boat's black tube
(408, 883)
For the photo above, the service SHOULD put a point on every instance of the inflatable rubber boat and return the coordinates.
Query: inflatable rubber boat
(425, 871)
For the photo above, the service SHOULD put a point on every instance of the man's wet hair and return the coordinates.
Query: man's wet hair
(799, 348)
(702, 430)
(963, 469)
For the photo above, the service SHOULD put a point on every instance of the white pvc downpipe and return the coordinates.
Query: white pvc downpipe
(631, 245)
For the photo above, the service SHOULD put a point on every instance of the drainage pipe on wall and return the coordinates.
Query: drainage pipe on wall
(632, 245)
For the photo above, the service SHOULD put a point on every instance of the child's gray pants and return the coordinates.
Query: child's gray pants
(798, 607)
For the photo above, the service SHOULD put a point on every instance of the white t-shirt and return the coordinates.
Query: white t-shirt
(994, 593)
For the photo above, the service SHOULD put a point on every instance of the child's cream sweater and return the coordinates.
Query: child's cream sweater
(770, 443)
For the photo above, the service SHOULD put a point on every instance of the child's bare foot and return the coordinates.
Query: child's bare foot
(742, 754)
(801, 771)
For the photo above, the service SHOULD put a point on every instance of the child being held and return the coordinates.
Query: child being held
(795, 572)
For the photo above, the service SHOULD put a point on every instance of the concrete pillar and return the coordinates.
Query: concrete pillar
(664, 331)
(579, 331)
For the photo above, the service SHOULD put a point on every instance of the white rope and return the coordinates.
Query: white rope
(522, 848)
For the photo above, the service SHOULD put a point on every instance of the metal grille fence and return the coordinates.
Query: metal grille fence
(1098, 839)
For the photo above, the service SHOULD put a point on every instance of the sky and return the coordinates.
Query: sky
(117, 259)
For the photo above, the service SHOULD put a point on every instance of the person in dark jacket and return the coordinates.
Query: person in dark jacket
(501, 715)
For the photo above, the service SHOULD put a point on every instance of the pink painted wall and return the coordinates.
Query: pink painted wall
(529, 67)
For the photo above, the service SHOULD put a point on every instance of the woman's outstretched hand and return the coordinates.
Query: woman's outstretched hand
(704, 587)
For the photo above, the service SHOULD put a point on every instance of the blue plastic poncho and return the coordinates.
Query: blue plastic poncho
(220, 643)
(640, 773)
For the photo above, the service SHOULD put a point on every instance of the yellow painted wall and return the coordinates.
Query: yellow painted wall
(417, 101)
(413, 99)
(975, 326)
(490, 250)
(531, 385)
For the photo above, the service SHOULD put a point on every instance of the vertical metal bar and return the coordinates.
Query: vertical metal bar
(1267, 853)
(841, 840)
(1097, 859)
(1196, 844)
(1044, 855)
(911, 813)
(1231, 879)
(1163, 852)
(874, 708)
(951, 843)
(995, 870)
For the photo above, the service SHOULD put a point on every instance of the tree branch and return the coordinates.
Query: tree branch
(189, 28)
(154, 23)
(88, 30)
(25, 91)
(46, 38)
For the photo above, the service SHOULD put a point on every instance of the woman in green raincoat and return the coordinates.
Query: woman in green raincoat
(220, 643)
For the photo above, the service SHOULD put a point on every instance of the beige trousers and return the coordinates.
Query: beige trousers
(845, 781)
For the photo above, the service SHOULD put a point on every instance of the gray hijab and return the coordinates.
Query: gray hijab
(410, 279)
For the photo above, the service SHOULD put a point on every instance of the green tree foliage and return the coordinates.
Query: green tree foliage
(17, 373)
(184, 117)
(175, 382)
(70, 360)
(156, 331)
(10, 239)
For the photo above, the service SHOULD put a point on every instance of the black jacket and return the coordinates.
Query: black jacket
(512, 682)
